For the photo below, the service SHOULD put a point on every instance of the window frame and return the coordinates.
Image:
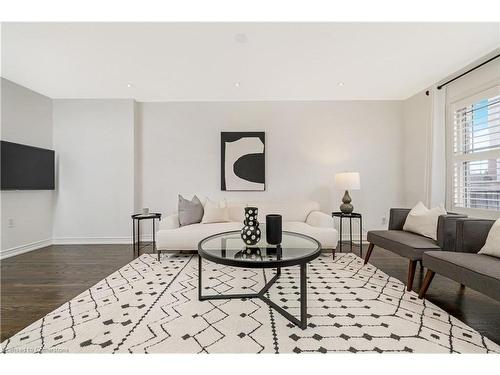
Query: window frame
(451, 158)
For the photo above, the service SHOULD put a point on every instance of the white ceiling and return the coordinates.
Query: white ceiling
(239, 61)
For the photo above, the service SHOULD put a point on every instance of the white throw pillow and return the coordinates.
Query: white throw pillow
(215, 213)
(492, 245)
(423, 221)
(236, 211)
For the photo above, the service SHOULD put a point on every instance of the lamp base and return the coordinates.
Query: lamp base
(346, 207)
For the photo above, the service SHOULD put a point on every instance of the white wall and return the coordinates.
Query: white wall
(479, 80)
(116, 156)
(137, 158)
(94, 140)
(306, 143)
(26, 118)
(423, 142)
(416, 146)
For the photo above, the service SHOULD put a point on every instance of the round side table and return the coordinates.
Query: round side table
(136, 234)
(352, 215)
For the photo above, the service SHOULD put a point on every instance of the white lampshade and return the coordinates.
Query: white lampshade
(347, 181)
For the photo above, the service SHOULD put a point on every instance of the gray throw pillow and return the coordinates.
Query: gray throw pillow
(190, 212)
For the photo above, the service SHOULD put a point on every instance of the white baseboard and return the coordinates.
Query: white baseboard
(18, 250)
(146, 238)
(91, 240)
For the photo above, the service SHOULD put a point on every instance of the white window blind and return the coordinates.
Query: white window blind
(475, 159)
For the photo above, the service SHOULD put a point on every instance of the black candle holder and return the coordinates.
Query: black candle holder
(273, 229)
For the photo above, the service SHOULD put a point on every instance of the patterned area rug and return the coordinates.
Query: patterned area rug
(152, 307)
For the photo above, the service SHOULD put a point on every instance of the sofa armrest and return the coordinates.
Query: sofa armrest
(170, 222)
(397, 218)
(447, 231)
(472, 234)
(320, 219)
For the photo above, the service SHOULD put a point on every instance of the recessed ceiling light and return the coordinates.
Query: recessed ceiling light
(129, 85)
(237, 84)
(340, 84)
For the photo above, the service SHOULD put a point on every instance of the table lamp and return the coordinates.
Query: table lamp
(347, 181)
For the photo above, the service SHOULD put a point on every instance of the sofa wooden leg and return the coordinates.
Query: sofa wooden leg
(427, 282)
(369, 252)
(411, 274)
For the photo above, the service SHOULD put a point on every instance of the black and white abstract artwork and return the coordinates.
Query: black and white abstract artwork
(243, 161)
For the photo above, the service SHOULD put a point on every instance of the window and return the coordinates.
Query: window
(474, 163)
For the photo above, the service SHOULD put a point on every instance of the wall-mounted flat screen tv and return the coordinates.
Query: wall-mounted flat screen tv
(26, 167)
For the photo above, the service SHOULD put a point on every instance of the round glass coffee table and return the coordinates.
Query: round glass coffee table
(229, 249)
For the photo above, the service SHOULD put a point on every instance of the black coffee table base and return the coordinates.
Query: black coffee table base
(302, 323)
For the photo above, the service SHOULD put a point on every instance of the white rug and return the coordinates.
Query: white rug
(152, 307)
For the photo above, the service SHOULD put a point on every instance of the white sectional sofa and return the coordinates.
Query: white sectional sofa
(300, 217)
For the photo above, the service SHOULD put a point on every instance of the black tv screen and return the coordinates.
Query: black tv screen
(26, 167)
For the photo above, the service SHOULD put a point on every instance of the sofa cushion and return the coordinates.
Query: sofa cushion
(190, 212)
(406, 244)
(480, 272)
(215, 212)
(492, 245)
(289, 211)
(236, 211)
(424, 221)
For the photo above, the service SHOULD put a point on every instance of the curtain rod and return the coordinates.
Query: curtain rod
(468, 71)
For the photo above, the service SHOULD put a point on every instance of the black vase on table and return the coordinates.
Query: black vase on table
(274, 230)
(250, 233)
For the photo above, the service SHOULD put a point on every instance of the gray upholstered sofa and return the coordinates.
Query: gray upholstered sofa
(477, 271)
(410, 245)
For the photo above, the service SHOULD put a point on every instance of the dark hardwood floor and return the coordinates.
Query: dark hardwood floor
(471, 307)
(35, 283)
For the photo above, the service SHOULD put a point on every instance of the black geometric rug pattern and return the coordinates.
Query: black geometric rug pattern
(152, 307)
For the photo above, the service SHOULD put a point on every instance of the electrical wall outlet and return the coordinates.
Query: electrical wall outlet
(384, 221)
(10, 223)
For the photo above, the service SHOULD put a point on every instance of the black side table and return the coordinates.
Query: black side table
(136, 240)
(353, 215)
